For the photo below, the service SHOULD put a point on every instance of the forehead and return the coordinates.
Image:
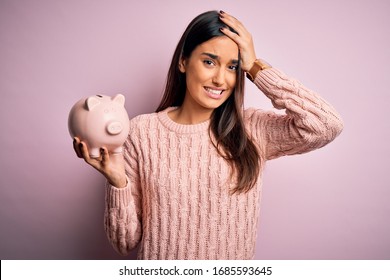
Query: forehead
(222, 46)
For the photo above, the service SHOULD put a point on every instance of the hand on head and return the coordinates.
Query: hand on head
(243, 39)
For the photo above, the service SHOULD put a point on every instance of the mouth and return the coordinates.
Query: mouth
(214, 91)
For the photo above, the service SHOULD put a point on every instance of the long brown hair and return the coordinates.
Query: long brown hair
(226, 124)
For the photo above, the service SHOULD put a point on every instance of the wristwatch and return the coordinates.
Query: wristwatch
(257, 66)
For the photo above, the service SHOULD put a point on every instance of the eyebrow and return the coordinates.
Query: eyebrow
(214, 56)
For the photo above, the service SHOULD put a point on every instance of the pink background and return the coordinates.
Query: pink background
(330, 204)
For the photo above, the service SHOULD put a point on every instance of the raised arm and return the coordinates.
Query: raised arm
(309, 123)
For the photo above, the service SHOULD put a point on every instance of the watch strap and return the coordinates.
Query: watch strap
(257, 66)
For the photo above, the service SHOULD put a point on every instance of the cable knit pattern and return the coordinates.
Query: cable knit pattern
(177, 203)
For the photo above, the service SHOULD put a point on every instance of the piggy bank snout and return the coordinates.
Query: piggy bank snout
(114, 127)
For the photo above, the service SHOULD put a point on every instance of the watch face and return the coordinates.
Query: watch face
(261, 65)
(264, 64)
(253, 71)
(258, 65)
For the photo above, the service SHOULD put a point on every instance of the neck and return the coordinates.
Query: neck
(190, 115)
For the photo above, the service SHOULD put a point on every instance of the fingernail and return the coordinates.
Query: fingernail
(101, 150)
(222, 12)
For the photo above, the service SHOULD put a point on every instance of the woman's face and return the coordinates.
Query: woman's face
(211, 73)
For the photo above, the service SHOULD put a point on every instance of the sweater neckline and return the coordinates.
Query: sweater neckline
(181, 128)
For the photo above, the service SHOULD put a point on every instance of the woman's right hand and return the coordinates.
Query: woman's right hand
(112, 166)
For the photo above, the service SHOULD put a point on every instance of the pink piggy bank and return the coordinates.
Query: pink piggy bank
(100, 121)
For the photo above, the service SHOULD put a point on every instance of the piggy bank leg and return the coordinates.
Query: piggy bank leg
(117, 150)
(94, 152)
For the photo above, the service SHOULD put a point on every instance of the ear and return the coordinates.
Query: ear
(182, 65)
(92, 102)
(119, 98)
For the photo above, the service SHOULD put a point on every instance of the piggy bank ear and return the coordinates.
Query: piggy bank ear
(119, 98)
(92, 102)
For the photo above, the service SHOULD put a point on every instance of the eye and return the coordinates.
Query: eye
(208, 62)
(233, 67)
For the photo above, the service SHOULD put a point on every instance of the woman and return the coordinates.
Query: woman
(188, 185)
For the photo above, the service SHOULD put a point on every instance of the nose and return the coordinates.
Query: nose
(219, 77)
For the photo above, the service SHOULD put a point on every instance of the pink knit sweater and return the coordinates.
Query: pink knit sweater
(177, 203)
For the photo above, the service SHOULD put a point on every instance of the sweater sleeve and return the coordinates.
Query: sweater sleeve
(123, 211)
(308, 124)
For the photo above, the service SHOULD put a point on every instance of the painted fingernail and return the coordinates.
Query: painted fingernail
(222, 12)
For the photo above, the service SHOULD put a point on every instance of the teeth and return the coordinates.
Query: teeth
(213, 91)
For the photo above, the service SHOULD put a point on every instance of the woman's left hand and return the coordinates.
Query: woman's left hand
(243, 40)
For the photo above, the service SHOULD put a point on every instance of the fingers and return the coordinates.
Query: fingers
(84, 151)
(104, 155)
(234, 23)
(235, 37)
(76, 147)
(243, 40)
(112, 168)
(96, 163)
(81, 149)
